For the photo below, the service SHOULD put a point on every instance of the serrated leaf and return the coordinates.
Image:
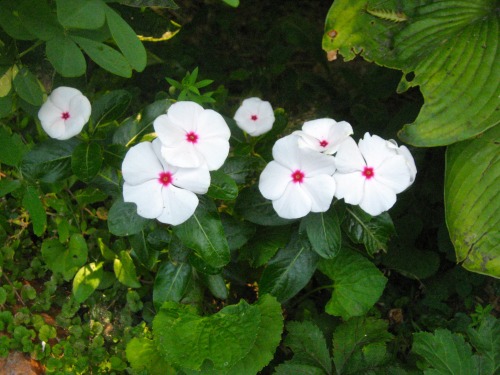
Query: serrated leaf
(123, 219)
(65, 259)
(127, 40)
(65, 56)
(124, 269)
(357, 284)
(265, 244)
(323, 231)
(204, 233)
(105, 56)
(49, 161)
(486, 340)
(359, 344)
(186, 339)
(371, 231)
(290, 270)
(308, 345)
(171, 282)
(81, 14)
(86, 161)
(472, 202)
(34, 206)
(222, 186)
(27, 87)
(445, 352)
(143, 355)
(86, 281)
(12, 148)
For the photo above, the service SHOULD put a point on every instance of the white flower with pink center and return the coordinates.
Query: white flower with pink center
(324, 135)
(192, 137)
(298, 180)
(160, 190)
(254, 116)
(65, 113)
(371, 174)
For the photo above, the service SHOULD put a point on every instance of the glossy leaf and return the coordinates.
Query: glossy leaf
(445, 352)
(290, 270)
(123, 219)
(217, 286)
(86, 161)
(472, 202)
(171, 283)
(124, 269)
(357, 284)
(110, 106)
(65, 56)
(323, 231)
(12, 148)
(86, 281)
(27, 87)
(239, 167)
(34, 206)
(371, 231)
(238, 232)
(222, 186)
(81, 14)
(203, 233)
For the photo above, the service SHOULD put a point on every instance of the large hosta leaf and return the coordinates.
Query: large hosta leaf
(451, 47)
(472, 201)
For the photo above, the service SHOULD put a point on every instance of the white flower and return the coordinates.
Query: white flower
(298, 180)
(192, 136)
(65, 113)
(255, 116)
(160, 190)
(403, 150)
(372, 174)
(324, 135)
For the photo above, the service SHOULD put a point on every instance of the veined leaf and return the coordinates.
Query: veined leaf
(123, 219)
(171, 283)
(486, 340)
(143, 354)
(86, 281)
(110, 106)
(323, 231)
(125, 270)
(222, 186)
(265, 244)
(86, 161)
(34, 206)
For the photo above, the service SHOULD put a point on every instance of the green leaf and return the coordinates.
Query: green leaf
(203, 233)
(143, 355)
(486, 340)
(252, 206)
(49, 161)
(222, 186)
(110, 106)
(65, 56)
(86, 281)
(81, 14)
(357, 284)
(264, 245)
(445, 352)
(323, 231)
(233, 3)
(8, 186)
(150, 3)
(217, 286)
(11, 23)
(171, 283)
(371, 231)
(239, 167)
(105, 56)
(65, 259)
(86, 161)
(412, 262)
(39, 19)
(290, 367)
(6, 105)
(34, 206)
(308, 345)
(223, 338)
(290, 270)
(238, 232)
(127, 40)
(123, 219)
(12, 148)
(359, 344)
(472, 202)
(28, 87)
(89, 195)
(124, 269)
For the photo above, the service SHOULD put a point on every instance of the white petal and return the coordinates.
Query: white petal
(56, 129)
(185, 114)
(394, 173)
(314, 163)
(338, 134)
(214, 151)
(72, 126)
(255, 107)
(141, 164)
(183, 155)
(308, 141)
(79, 106)
(319, 128)
(294, 203)
(178, 205)
(286, 152)
(349, 158)
(350, 186)
(147, 196)
(211, 124)
(375, 150)
(403, 150)
(169, 132)
(273, 180)
(62, 96)
(196, 180)
(377, 198)
(321, 190)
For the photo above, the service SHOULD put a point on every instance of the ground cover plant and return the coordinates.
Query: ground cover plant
(227, 187)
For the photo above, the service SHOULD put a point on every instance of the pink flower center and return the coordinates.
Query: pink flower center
(65, 115)
(254, 117)
(192, 137)
(368, 173)
(323, 143)
(298, 176)
(165, 178)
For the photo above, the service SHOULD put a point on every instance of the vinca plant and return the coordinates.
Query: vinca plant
(168, 207)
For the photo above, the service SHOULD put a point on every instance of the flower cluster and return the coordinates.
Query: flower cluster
(322, 161)
(163, 177)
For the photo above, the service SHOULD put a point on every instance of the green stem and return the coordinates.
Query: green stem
(34, 46)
